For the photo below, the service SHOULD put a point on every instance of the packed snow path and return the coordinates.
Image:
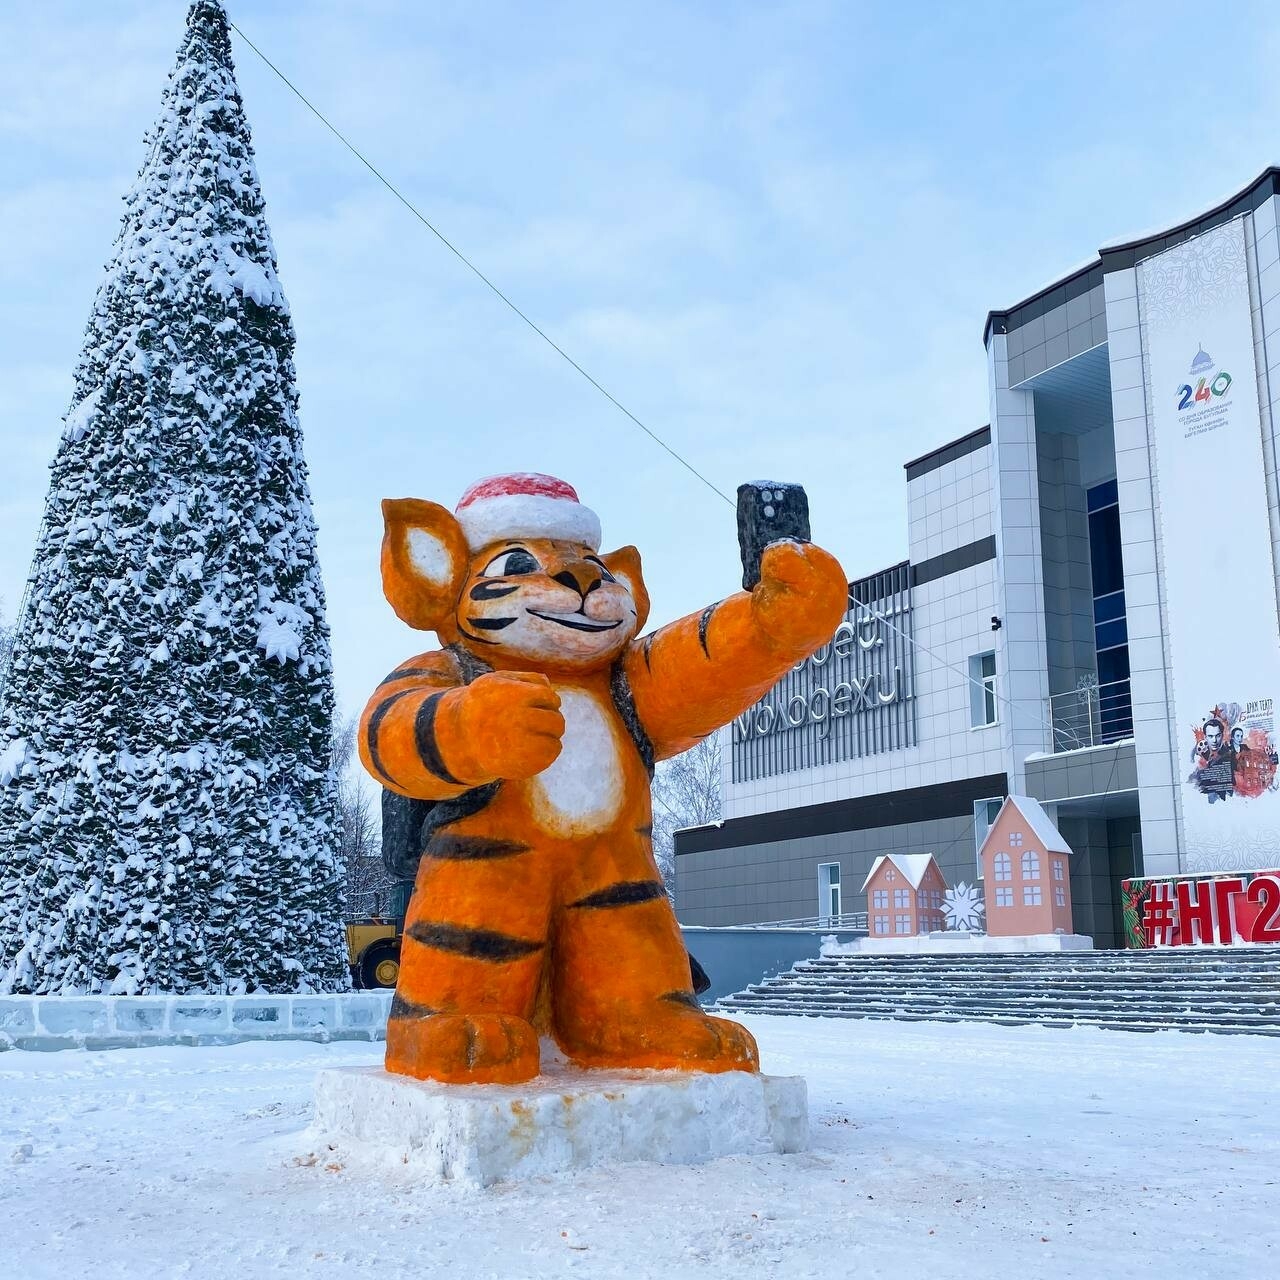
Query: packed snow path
(964, 1150)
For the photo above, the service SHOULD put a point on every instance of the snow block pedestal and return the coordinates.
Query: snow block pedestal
(566, 1119)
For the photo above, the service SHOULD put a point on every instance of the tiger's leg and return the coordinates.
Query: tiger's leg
(471, 963)
(621, 985)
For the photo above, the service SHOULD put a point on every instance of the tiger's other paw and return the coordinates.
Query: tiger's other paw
(667, 1039)
(463, 1048)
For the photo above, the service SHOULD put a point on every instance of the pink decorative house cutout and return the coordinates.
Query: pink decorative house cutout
(1026, 872)
(904, 895)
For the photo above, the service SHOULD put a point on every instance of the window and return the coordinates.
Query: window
(982, 689)
(1003, 867)
(882, 924)
(1031, 865)
(829, 889)
(1004, 897)
(1031, 895)
(1059, 896)
(879, 899)
(902, 924)
(1058, 869)
(890, 876)
(1114, 711)
(902, 898)
(1015, 839)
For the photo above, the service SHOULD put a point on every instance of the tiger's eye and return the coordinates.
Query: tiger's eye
(512, 564)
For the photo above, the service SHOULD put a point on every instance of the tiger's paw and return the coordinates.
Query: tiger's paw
(463, 1048)
(666, 1039)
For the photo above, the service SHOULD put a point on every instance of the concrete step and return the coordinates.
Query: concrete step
(1000, 1019)
(960, 1003)
(1173, 999)
(1203, 989)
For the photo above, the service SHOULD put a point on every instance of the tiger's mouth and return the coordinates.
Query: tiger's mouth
(575, 621)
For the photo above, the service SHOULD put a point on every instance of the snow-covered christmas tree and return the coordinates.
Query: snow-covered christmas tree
(167, 818)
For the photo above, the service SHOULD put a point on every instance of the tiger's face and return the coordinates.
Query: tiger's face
(541, 603)
(520, 604)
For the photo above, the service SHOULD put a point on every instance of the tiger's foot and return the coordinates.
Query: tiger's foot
(665, 1039)
(463, 1048)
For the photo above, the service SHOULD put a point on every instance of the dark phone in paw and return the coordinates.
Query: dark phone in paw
(768, 511)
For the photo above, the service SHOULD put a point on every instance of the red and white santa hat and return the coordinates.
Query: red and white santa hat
(525, 504)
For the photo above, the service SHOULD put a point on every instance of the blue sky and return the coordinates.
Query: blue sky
(773, 231)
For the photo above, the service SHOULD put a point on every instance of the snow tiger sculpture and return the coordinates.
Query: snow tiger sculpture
(538, 906)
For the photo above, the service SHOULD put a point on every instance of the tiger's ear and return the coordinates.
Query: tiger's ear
(425, 561)
(624, 564)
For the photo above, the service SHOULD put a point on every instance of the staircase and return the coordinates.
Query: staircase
(1230, 990)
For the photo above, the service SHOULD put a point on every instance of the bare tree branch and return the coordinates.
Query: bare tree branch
(686, 793)
(368, 885)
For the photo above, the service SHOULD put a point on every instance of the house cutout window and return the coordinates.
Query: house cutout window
(882, 924)
(1031, 866)
(1015, 839)
(1004, 897)
(1059, 896)
(1059, 872)
(880, 899)
(902, 898)
(902, 924)
(1003, 866)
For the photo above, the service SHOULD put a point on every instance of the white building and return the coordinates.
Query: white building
(1035, 640)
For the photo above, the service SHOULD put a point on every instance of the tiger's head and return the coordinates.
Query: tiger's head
(514, 575)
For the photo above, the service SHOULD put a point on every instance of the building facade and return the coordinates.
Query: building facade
(1087, 614)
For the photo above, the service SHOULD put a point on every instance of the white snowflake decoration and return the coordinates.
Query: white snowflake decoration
(964, 908)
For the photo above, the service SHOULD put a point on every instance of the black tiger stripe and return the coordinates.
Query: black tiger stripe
(491, 624)
(686, 998)
(477, 639)
(626, 893)
(475, 944)
(424, 736)
(625, 704)
(403, 673)
(472, 848)
(445, 813)
(375, 722)
(646, 646)
(492, 590)
(470, 668)
(704, 621)
(402, 1008)
(646, 831)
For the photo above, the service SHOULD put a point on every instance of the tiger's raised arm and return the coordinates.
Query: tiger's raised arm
(695, 675)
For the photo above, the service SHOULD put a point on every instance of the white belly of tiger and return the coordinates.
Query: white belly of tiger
(582, 790)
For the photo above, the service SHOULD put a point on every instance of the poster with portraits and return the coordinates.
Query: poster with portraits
(1220, 594)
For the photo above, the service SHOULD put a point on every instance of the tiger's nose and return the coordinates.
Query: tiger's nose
(582, 578)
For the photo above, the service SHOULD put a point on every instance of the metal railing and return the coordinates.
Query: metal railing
(1092, 715)
(853, 920)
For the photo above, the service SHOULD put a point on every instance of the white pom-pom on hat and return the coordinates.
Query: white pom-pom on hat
(525, 504)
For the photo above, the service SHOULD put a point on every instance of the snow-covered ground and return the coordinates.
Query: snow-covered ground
(959, 1150)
